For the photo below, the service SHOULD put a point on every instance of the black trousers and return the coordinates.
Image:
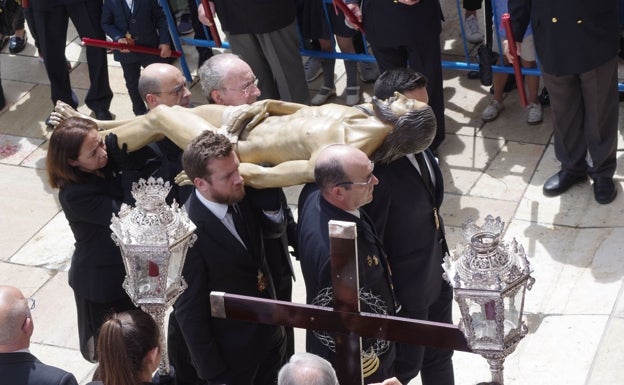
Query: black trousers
(51, 25)
(91, 316)
(423, 55)
(434, 364)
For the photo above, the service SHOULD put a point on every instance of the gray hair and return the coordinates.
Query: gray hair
(213, 71)
(307, 369)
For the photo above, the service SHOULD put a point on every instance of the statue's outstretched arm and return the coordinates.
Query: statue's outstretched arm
(285, 174)
(63, 111)
(180, 124)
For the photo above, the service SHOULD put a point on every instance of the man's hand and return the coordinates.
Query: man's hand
(389, 381)
(123, 40)
(165, 50)
(201, 13)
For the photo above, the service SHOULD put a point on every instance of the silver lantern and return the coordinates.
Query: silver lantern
(153, 238)
(489, 280)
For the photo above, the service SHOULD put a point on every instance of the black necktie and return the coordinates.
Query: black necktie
(424, 171)
(239, 223)
(426, 177)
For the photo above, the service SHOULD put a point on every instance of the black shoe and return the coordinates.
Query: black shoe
(2, 99)
(48, 121)
(3, 42)
(604, 190)
(17, 44)
(561, 182)
(103, 115)
(544, 97)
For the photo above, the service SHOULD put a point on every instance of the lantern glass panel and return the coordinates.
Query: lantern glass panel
(483, 313)
(175, 263)
(513, 308)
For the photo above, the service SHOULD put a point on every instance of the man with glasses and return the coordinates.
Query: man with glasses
(17, 364)
(226, 79)
(345, 180)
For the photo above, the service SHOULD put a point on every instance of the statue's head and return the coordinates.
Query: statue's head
(414, 127)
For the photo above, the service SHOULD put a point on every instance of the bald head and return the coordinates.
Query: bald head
(344, 175)
(15, 323)
(224, 79)
(159, 83)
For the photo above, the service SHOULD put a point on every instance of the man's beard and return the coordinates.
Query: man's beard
(231, 198)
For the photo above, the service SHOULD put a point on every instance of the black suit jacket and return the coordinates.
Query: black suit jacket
(390, 24)
(147, 25)
(313, 242)
(219, 262)
(402, 211)
(255, 16)
(26, 369)
(571, 36)
(97, 271)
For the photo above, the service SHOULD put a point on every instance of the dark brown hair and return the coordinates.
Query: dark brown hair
(123, 342)
(65, 143)
(205, 147)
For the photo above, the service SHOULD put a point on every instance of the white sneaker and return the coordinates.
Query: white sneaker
(491, 111)
(369, 72)
(473, 31)
(313, 68)
(534, 113)
(352, 96)
(322, 95)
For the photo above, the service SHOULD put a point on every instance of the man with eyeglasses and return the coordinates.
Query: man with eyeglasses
(345, 180)
(17, 364)
(226, 79)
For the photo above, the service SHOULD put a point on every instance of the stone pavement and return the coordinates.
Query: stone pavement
(575, 312)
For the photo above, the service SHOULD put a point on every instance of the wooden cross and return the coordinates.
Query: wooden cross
(345, 319)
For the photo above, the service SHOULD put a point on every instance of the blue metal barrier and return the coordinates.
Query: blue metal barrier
(468, 65)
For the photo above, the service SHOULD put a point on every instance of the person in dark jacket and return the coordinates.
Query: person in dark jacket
(91, 189)
(143, 25)
(232, 222)
(264, 34)
(129, 349)
(577, 44)
(406, 213)
(51, 21)
(345, 180)
(17, 364)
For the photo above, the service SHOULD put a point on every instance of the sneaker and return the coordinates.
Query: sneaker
(313, 68)
(352, 96)
(534, 113)
(473, 31)
(492, 110)
(369, 72)
(322, 95)
(185, 25)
